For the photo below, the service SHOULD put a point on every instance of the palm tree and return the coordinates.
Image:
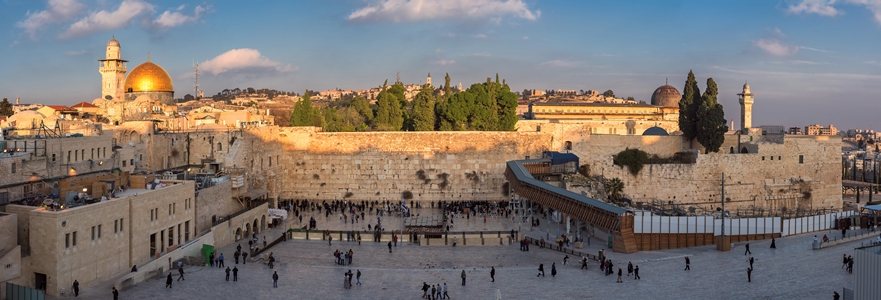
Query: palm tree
(614, 187)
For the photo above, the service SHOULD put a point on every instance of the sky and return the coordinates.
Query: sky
(807, 61)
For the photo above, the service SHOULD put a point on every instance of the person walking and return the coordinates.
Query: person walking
(773, 243)
(244, 258)
(236, 255)
(425, 289)
(541, 270)
(358, 276)
(749, 275)
(751, 260)
(180, 270)
(115, 294)
(395, 239)
(636, 273)
(439, 292)
(844, 261)
(227, 273)
(463, 277)
(619, 275)
(235, 273)
(220, 261)
(687, 263)
(210, 261)
(835, 296)
(168, 281)
(629, 268)
(329, 239)
(389, 247)
(565, 260)
(554, 269)
(492, 274)
(76, 286)
(747, 250)
(275, 279)
(584, 263)
(346, 280)
(445, 295)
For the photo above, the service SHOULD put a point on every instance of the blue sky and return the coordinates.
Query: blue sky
(807, 61)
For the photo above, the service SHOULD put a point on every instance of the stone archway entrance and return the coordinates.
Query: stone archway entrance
(263, 223)
(238, 234)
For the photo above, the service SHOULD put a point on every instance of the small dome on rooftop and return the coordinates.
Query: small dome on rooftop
(666, 96)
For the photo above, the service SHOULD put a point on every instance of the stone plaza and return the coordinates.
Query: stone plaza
(307, 270)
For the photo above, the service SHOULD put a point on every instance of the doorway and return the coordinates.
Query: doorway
(40, 281)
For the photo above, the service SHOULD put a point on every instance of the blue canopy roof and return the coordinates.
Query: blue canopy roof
(873, 207)
(558, 158)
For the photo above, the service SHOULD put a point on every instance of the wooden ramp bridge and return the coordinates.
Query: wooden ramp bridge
(616, 220)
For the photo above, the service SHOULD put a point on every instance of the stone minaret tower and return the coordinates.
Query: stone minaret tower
(746, 108)
(112, 70)
(428, 79)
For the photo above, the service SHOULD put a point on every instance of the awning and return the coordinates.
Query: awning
(873, 207)
(254, 193)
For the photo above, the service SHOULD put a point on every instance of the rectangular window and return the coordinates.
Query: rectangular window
(763, 158)
(53, 156)
(68, 155)
(170, 236)
(67, 240)
(123, 163)
(74, 238)
(169, 209)
(99, 231)
(174, 207)
(13, 168)
(115, 226)
(187, 231)
(93, 233)
(178, 234)
(120, 224)
(801, 159)
(151, 215)
(93, 153)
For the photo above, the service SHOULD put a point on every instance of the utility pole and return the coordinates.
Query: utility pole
(722, 244)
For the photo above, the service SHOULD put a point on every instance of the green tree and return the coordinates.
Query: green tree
(484, 112)
(423, 110)
(388, 112)
(6, 108)
(303, 114)
(688, 107)
(452, 113)
(507, 103)
(609, 93)
(614, 187)
(711, 126)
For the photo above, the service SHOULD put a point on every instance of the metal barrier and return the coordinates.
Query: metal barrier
(551, 246)
(17, 292)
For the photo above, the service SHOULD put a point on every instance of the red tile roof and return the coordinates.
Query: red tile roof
(83, 105)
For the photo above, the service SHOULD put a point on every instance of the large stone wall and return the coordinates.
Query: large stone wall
(773, 178)
(382, 165)
(214, 201)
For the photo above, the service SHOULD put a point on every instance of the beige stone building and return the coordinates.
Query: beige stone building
(818, 129)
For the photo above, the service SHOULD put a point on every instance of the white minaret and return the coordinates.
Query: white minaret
(428, 79)
(112, 70)
(746, 108)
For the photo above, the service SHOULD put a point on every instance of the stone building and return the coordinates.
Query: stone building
(614, 118)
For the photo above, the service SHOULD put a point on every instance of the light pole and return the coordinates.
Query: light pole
(723, 247)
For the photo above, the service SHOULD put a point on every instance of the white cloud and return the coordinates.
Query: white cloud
(800, 62)
(103, 20)
(175, 18)
(421, 10)
(243, 60)
(449, 35)
(445, 62)
(480, 36)
(559, 63)
(873, 62)
(57, 11)
(525, 37)
(820, 7)
(775, 47)
(814, 49)
(827, 7)
(76, 53)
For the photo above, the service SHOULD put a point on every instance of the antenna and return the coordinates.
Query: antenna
(398, 77)
(196, 86)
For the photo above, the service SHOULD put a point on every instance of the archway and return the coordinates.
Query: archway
(238, 234)
(248, 230)
(731, 150)
(743, 150)
(263, 223)
(256, 228)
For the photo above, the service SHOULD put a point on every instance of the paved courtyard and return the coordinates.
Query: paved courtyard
(307, 271)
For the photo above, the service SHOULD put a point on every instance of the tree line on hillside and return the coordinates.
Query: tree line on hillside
(488, 106)
(701, 117)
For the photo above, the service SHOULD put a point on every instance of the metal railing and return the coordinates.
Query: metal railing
(552, 246)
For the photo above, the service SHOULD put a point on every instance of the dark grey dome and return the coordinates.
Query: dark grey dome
(666, 96)
(655, 131)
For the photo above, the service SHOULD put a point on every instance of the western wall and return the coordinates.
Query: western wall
(303, 163)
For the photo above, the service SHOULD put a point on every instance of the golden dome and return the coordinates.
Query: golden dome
(148, 77)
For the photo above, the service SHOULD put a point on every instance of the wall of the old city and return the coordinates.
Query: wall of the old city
(215, 201)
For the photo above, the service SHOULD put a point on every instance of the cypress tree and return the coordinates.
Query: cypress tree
(710, 124)
(688, 107)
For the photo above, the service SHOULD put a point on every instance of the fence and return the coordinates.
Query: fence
(647, 222)
(555, 247)
(17, 292)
